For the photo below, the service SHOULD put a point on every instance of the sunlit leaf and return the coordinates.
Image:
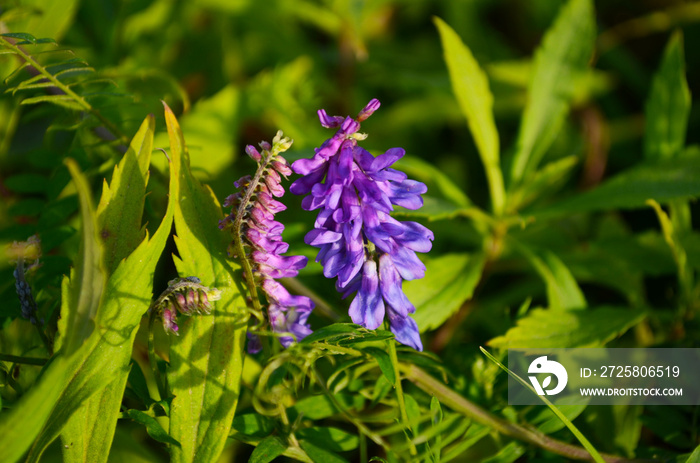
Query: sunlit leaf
(661, 181)
(267, 450)
(121, 205)
(579, 328)
(564, 53)
(668, 106)
(471, 87)
(449, 282)
(153, 428)
(562, 290)
(206, 360)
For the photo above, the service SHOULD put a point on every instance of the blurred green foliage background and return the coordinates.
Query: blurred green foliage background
(236, 71)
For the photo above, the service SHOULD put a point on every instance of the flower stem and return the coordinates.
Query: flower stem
(399, 390)
(152, 359)
(472, 411)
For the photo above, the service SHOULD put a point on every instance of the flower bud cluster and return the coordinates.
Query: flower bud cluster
(252, 222)
(22, 253)
(186, 296)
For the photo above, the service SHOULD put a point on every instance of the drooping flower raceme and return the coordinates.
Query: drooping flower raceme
(359, 242)
(258, 241)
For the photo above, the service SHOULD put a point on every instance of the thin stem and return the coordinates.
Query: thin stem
(238, 239)
(152, 359)
(399, 391)
(472, 411)
(65, 89)
(23, 360)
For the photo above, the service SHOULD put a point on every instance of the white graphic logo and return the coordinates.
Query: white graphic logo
(542, 365)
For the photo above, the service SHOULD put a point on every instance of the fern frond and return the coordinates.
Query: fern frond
(63, 82)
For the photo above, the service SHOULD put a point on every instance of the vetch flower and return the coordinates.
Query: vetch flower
(369, 251)
(252, 222)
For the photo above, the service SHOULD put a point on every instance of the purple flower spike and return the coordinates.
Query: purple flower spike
(260, 233)
(355, 193)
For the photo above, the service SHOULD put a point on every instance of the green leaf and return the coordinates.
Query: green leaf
(574, 430)
(88, 434)
(544, 181)
(579, 328)
(207, 128)
(565, 51)
(384, 362)
(20, 36)
(330, 438)
(87, 280)
(471, 86)
(507, 454)
(267, 450)
(206, 360)
(120, 209)
(65, 101)
(318, 407)
(153, 428)
(90, 429)
(428, 173)
(107, 352)
(320, 454)
(668, 106)
(563, 292)
(695, 456)
(26, 183)
(661, 181)
(547, 422)
(449, 282)
(253, 424)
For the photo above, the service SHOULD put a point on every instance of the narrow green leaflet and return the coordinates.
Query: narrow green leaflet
(384, 362)
(574, 430)
(579, 328)
(470, 84)
(267, 450)
(565, 51)
(153, 428)
(71, 379)
(449, 282)
(668, 106)
(661, 181)
(563, 293)
(89, 432)
(206, 360)
(87, 278)
(121, 205)
(545, 180)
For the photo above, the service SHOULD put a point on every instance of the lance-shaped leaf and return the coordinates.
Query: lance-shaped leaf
(89, 432)
(564, 53)
(563, 293)
(206, 359)
(575, 328)
(72, 378)
(668, 106)
(81, 296)
(471, 86)
(121, 205)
